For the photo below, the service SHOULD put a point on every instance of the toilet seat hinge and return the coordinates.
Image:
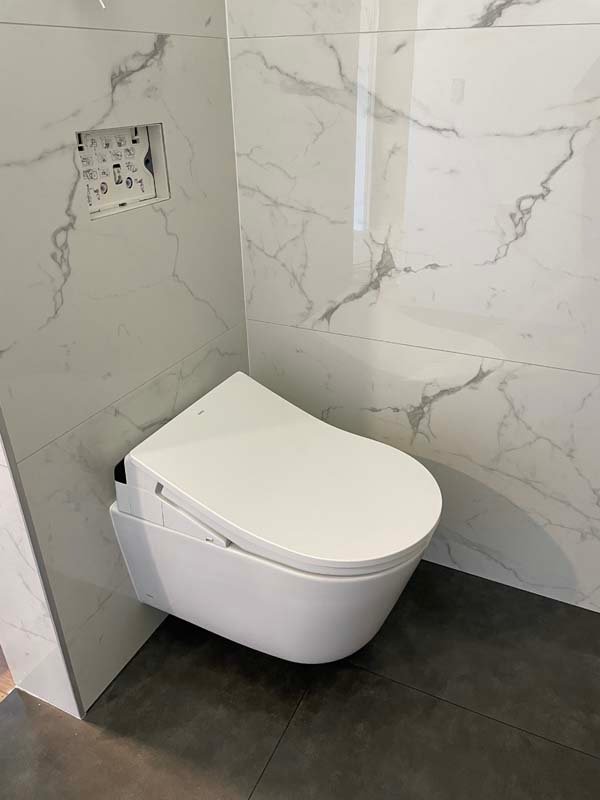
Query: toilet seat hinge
(178, 519)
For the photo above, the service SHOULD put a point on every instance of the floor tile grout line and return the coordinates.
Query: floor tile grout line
(426, 347)
(474, 711)
(283, 733)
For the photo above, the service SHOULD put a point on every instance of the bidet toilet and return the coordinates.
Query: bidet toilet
(259, 522)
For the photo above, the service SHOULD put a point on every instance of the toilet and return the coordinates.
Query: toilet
(265, 525)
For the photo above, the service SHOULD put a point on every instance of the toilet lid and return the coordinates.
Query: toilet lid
(282, 484)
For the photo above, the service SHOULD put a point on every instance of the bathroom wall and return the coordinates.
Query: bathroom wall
(419, 209)
(109, 327)
(28, 637)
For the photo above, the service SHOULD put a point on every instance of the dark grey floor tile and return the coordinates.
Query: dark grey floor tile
(192, 716)
(515, 656)
(357, 735)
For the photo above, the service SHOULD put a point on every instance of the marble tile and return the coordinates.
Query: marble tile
(294, 17)
(27, 633)
(515, 448)
(383, 195)
(192, 17)
(69, 484)
(92, 309)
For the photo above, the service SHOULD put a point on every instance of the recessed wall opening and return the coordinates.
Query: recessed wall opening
(122, 168)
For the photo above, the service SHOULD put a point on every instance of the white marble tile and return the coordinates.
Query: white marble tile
(515, 448)
(109, 639)
(426, 189)
(70, 487)
(294, 17)
(92, 309)
(302, 161)
(193, 17)
(27, 633)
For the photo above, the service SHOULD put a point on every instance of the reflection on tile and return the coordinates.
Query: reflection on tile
(27, 634)
(515, 448)
(357, 735)
(305, 187)
(383, 195)
(514, 656)
(293, 17)
(70, 487)
(192, 17)
(94, 309)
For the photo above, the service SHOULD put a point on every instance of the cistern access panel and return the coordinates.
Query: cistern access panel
(122, 168)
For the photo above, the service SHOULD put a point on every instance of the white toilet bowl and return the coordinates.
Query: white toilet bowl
(253, 519)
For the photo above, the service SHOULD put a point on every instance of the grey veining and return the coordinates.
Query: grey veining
(513, 446)
(138, 281)
(70, 488)
(29, 641)
(382, 186)
(111, 326)
(495, 10)
(420, 414)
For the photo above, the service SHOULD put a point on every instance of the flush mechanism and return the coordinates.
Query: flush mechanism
(122, 168)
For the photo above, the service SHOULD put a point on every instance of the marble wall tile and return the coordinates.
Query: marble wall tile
(192, 17)
(92, 309)
(294, 17)
(383, 194)
(515, 448)
(27, 634)
(69, 484)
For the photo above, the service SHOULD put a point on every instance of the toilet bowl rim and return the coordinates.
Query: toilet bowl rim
(254, 545)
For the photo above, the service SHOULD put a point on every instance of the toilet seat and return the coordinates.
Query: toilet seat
(244, 466)
(256, 521)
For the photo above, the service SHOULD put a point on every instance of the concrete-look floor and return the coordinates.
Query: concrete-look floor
(471, 690)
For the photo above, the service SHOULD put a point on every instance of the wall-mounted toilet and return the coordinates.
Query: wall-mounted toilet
(253, 519)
